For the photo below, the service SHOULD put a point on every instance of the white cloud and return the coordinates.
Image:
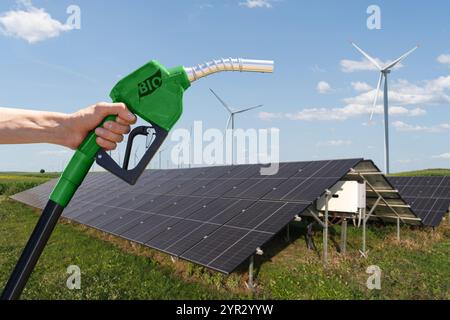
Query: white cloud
(349, 111)
(268, 116)
(327, 114)
(30, 23)
(445, 156)
(323, 87)
(364, 65)
(403, 93)
(417, 112)
(401, 111)
(257, 4)
(444, 59)
(335, 143)
(361, 86)
(405, 127)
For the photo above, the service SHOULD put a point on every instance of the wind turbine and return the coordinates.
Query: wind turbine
(384, 72)
(232, 117)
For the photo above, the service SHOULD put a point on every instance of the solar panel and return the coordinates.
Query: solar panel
(180, 206)
(239, 251)
(185, 241)
(214, 244)
(123, 221)
(282, 217)
(429, 197)
(229, 213)
(173, 234)
(215, 216)
(310, 188)
(145, 229)
(217, 187)
(106, 217)
(212, 209)
(257, 188)
(252, 217)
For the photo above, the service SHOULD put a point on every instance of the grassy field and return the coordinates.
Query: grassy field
(425, 173)
(416, 268)
(14, 182)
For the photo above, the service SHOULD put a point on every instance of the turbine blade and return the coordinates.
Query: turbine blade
(228, 123)
(376, 96)
(248, 109)
(367, 56)
(221, 101)
(393, 64)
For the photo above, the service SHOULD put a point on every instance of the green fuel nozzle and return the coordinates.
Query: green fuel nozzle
(155, 94)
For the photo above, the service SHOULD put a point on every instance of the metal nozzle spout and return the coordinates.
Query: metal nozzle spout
(230, 64)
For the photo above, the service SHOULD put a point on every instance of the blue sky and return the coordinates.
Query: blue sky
(309, 40)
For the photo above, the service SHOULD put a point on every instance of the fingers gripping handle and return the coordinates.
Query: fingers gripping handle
(77, 169)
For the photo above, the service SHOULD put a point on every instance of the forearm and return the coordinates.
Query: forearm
(25, 126)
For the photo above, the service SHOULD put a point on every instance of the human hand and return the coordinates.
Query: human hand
(109, 135)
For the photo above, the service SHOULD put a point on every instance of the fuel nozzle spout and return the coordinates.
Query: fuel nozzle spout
(231, 64)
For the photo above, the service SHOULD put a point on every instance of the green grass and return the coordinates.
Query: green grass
(108, 272)
(425, 173)
(416, 268)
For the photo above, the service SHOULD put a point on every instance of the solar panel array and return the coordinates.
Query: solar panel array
(216, 216)
(429, 197)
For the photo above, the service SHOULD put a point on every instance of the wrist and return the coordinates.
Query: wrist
(59, 124)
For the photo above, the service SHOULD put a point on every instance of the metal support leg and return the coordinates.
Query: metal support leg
(344, 236)
(288, 233)
(398, 229)
(364, 229)
(325, 240)
(250, 283)
(309, 237)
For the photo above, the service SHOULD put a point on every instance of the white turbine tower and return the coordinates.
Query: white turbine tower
(384, 72)
(231, 119)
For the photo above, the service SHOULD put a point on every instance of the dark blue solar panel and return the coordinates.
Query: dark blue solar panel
(429, 197)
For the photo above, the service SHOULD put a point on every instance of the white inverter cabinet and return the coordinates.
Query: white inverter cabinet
(346, 196)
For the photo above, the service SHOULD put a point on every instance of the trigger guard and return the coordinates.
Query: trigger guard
(138, 131)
